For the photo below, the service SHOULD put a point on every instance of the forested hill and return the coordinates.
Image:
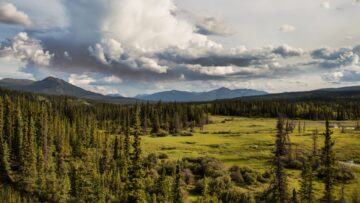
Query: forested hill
(63, 149)
(352, 92)
(55, 86)
(334, 104)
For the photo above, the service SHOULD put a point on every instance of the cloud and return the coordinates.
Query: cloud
(287, 28)
(113, 79)
(334, 58)
(23, 48)
(10, 15)
(343, 64)
(212, 26)
(140, 42)
(325, 5)
(205, 24)
(348, 74)
(287, 51)
(213, 70)
(80, 80)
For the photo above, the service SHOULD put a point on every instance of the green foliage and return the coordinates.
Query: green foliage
(307, 178)
(328, 162)
(60, 149)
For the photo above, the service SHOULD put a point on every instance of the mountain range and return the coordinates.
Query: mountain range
(184, 96)
(55, 86)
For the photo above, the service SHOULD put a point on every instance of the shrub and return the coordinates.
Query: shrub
(161, 133)
(163, 156)
(186, 134)
(235, 195)
(220, 185)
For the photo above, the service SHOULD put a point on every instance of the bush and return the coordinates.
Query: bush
(344, 174)
(235, 195)
(250, 178)
(186, 134)
(237, 177)
(204, 166)
(161, 133)
(246, 176)
(163, 156)
(220, 185)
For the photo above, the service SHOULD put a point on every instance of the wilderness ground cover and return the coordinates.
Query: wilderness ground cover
(249, 142)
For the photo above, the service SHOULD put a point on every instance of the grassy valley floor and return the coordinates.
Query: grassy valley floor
(248, 142)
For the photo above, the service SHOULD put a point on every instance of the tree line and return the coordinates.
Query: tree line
(62, 149)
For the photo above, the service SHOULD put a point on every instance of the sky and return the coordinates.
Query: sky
(132, 47)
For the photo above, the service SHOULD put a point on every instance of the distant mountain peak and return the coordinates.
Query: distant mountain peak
(184, 96)
(222, 89)
(53, 79)
(56, 86)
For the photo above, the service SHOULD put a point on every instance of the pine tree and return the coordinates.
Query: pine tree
(8, 121)
(127, 137)
(17, 141)
(307, 177)
(177, 191)
(328, 159)
(136, 175)
(280, 153)
(29, 163)
(294, 198)
(116, 149)
(161, 186)
(155, 124)
(43, 133)
(144, 123)
(5, 171)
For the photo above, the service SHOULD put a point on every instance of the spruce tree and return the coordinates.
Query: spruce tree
(156, 123)
(17, 142)
(307, 177)
(8, 121)
(294, 198)
(177, 191)
(127, 137)
(29, 163)
(281, 193)
(161, 186)
(116, 149)
(328, 161)
(5, 171)
(136, 176)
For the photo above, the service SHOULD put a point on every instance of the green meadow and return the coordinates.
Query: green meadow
(249, 142)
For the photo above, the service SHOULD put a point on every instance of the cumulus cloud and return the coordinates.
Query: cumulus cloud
(10, 15)
(287, 51)
(80, 80)
(209, 25)
(113, 79)
(213, 70)
(287, 28)
(22, 47)
(148, 25)
(343, 74)
(334, 58)
(122, 41)
(343, 64)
